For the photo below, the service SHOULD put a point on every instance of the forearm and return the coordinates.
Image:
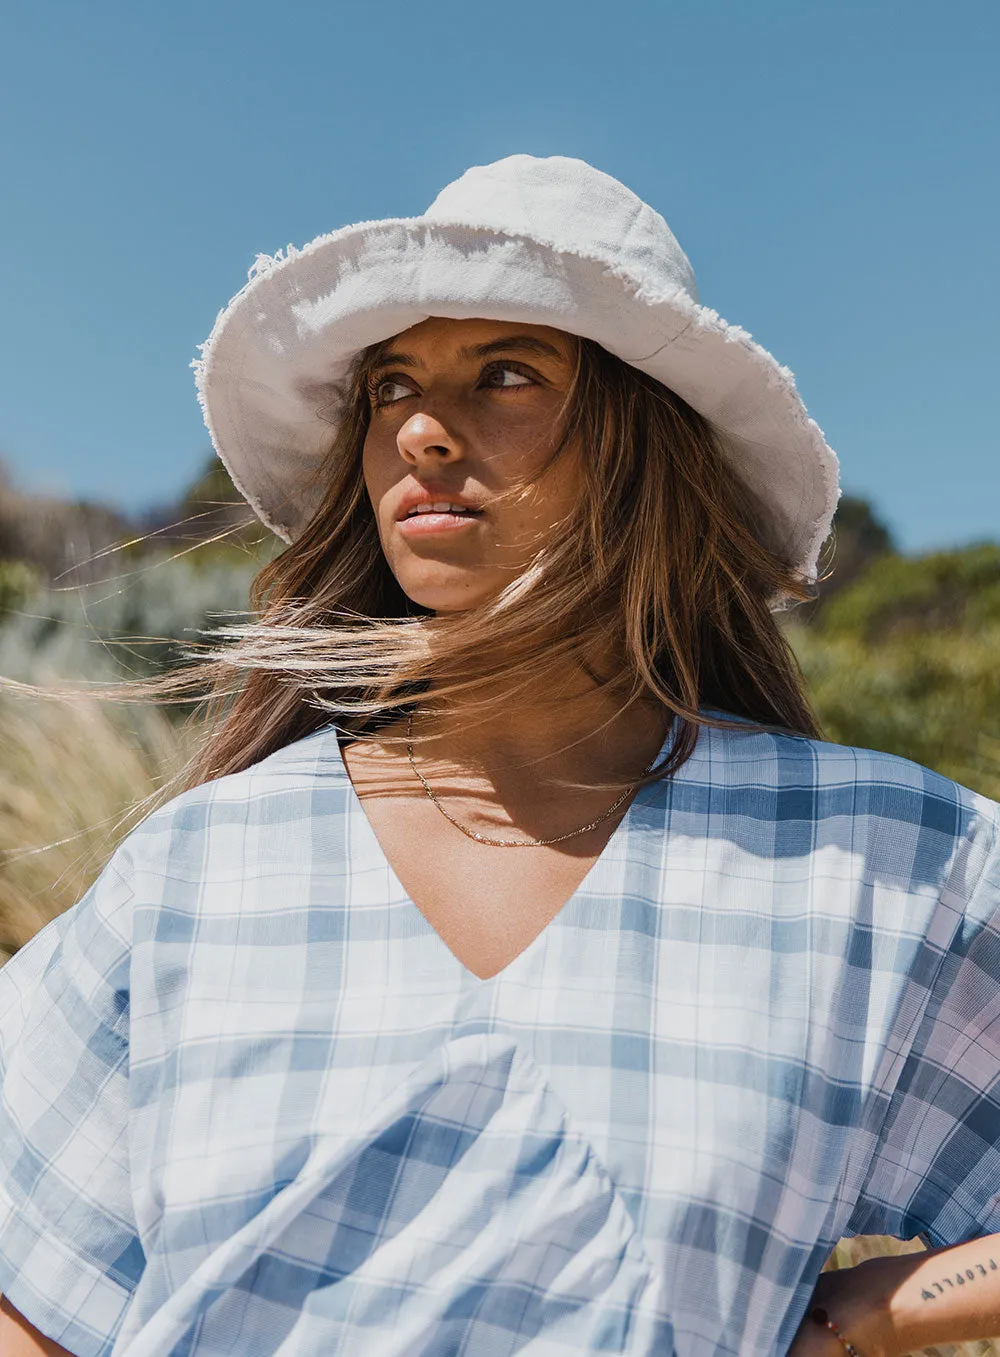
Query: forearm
(894, 1305)
(891, 1306)
(948, 1295)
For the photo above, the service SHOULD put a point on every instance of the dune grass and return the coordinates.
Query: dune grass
(72, 777)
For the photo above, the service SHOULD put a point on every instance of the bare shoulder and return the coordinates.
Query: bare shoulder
(377, 768)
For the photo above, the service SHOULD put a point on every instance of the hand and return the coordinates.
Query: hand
(856, 1299)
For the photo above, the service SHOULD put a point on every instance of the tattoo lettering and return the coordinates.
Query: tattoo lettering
(960, 1279)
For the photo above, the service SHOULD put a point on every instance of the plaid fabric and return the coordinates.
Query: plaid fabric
(251, 1103)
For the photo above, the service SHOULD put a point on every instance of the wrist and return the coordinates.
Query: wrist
(864, 1313)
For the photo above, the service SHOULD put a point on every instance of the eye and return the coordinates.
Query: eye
(380, 387)
(377, 387)
(498, 370)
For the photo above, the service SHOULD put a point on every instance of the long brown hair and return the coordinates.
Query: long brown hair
(665, 558)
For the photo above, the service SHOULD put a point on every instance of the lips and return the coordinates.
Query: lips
(431, 500)
(442, 507)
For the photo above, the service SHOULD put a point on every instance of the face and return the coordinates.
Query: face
(462, 410)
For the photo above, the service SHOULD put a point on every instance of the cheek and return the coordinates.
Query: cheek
(558, 491)
(379, 469)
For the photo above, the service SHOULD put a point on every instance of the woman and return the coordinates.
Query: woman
(317, 1065)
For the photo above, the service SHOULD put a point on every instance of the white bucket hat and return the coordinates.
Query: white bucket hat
(551, 241)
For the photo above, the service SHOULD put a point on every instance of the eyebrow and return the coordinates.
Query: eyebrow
(524, 343)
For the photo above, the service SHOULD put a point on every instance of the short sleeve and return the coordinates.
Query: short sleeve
(936, 1168)
(70, 1256)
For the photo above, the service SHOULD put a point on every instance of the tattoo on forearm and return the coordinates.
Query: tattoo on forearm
(970, 1274)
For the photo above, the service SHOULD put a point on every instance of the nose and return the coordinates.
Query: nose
(424, 441)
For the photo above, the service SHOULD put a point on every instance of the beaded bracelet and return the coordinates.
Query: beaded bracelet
(819, 1316)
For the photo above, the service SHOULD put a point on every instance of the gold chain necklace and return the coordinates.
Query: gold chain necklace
(510, 843)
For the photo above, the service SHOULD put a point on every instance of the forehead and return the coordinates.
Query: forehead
(442, 335)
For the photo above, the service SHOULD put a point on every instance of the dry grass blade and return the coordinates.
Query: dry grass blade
(70, 773)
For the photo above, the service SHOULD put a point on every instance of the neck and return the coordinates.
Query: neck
(579, 727)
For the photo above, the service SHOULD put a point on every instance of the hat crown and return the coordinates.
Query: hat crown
(567, 203)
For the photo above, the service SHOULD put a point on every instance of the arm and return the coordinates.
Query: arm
(18, 1338)
(888, 1307)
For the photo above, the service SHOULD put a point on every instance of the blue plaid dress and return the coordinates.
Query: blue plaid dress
(253, 1105)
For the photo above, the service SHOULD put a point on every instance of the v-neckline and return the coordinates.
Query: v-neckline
(373, 843)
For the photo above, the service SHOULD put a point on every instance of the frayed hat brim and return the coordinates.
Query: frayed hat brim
(271, 375)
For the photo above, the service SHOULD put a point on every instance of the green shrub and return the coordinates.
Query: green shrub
(907, 660)
(17, 583)
(934, 699)
(900, 595)
(129, 625)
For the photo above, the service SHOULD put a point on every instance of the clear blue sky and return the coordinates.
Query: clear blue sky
(830, 169)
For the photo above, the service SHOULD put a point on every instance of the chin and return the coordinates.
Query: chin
(442, 603)
(441, 597)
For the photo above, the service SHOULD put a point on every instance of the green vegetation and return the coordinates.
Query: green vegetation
(17, 584)
(907, 659)
(131, 624)
(87, 596)
(898, 597)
